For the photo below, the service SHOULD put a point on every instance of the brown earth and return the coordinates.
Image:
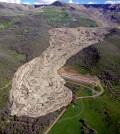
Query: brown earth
(37, 88)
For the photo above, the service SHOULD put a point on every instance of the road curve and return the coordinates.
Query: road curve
(93, 96)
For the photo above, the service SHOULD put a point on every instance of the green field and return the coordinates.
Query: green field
(81, 70)
(19, 56)
(101, 115)
(79, 90)
(84, 91)
(97, 88)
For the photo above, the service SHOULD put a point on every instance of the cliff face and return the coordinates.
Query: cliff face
(37, 88)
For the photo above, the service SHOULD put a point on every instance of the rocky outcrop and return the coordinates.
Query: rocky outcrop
(37, 88)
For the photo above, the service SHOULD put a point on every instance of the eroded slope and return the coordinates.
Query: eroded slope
(37, 88)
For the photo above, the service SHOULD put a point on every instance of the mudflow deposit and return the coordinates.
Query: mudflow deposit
(37, 88)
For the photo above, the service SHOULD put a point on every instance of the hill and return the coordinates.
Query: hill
(24, 36)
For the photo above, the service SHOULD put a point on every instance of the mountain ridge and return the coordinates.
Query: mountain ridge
(114, 7)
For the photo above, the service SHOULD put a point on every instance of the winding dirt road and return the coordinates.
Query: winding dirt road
(77, 79)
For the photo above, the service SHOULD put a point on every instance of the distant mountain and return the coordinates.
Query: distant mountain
(58, 3)
(38, 6)
(11, 6)
(104, 6)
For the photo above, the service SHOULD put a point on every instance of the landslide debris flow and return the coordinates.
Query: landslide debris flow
(37, 88)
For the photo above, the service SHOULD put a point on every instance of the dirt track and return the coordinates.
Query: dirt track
(79, 79)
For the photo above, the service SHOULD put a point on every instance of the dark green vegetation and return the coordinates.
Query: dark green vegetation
(79, 90)
(81, 70)
(19, 56)
(97, 88)
(100, 114)
(25, 125)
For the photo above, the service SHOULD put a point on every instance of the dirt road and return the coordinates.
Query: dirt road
(55, 121)
(9, 83)
(77, 79)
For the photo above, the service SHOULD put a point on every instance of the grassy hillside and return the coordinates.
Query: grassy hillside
(101, 59)
(100, 115)
(21, 39)
(64, 17)
(24, 36)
